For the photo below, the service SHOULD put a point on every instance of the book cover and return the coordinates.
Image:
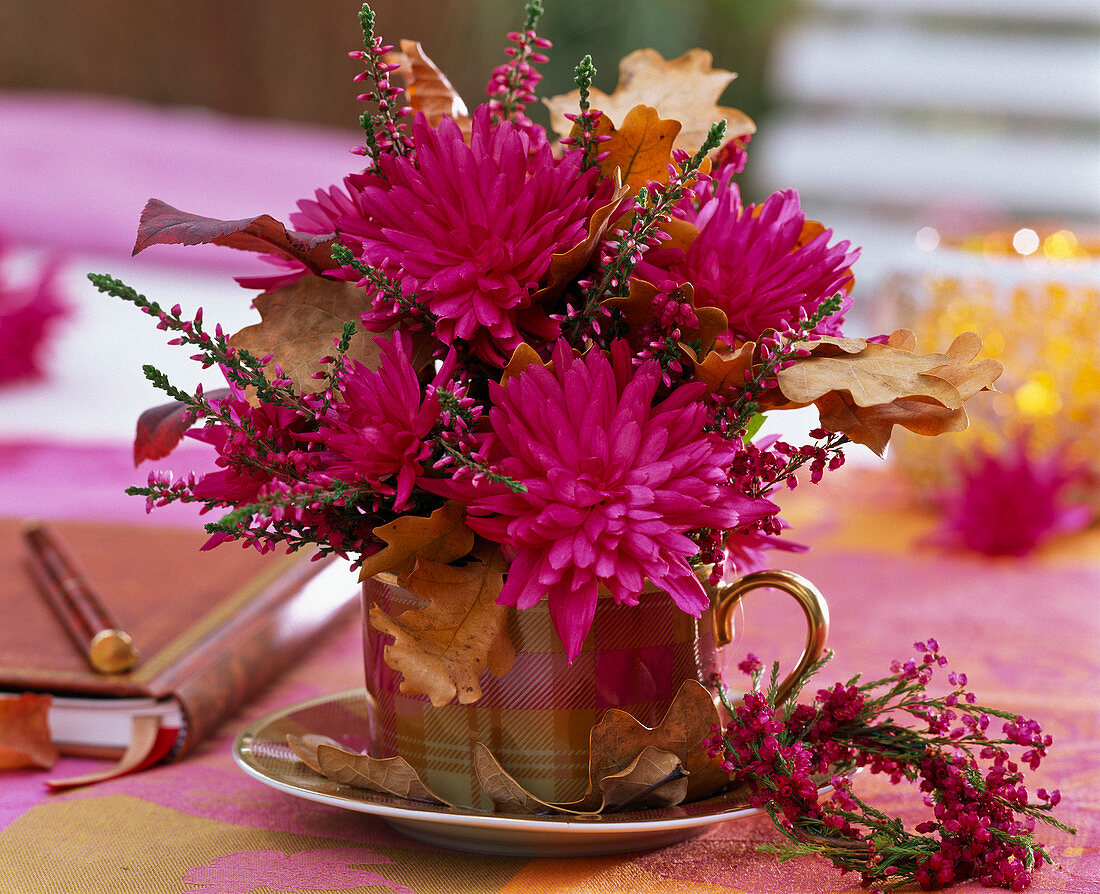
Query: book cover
(212, 628)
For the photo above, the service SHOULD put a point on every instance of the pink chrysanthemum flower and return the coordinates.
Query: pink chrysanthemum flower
(1008, 504)
(376, 431)
(470, 228)
(29, 314)
(748, 261)
(613, 482)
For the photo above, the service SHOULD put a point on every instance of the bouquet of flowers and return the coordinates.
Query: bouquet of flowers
(540, 360)
(562, 346)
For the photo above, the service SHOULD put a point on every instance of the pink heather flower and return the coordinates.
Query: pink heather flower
(1007, 504)
(29, 313)
(747, 262)
(470, 228)
(745, 551)
(614, 483)
(376, 431)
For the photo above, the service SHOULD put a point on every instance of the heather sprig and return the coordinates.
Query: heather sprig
(386, 295)
(983, 821)
(384, 131)
(653, 206)
(512, 85)
(587, 141)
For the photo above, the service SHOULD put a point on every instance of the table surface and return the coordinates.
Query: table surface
(1026, 632)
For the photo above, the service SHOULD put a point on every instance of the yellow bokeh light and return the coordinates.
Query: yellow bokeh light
(1037, 397)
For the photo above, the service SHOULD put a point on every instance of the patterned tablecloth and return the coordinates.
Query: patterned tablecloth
(1026, 632)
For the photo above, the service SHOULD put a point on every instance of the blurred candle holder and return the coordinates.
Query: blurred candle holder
(1034, 294)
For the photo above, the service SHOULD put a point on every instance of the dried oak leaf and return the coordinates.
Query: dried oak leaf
(440, 537)
(871, 373)
(25, 732)
(639, 150)
(725, 372)
(871, 425)
(441, 649)
(617, 740)
(300, 324)
(161, 428)
(305, 748)
(427, 87)
(390, 775)
(686, 89)
(565, 265)
(637, 310)
(161, 224)
(507, 795)
(655, 778)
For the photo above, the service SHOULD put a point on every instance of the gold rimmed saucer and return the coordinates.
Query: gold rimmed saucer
(261, 751)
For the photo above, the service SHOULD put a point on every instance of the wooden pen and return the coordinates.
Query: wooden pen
(77, 603)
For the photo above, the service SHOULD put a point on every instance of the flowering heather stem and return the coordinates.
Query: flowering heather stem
(512, 85)
(586, 142)
(387, 292)
(480, 469)
(383, 132)
(984, 822)
(240, 367)
(731, 419)
(652, 207)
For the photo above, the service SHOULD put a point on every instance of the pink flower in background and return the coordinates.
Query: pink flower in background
(321, 869)
(470, 228)
(750, 262)
(1007, 504)
(29, 315)
(613, 485)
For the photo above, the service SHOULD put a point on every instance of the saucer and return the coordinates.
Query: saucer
(262, 752)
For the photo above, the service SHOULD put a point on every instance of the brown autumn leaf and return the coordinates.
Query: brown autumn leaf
(439, 537)
(522, 357)
(442, 648)
(873, 374)
(637, 309)
(427, 87)
(565, 265)
(685, 89)
(161, 224)
(507, 795)
(25, 732)
(871, 426)
(300, 324)
(655, 778)
(725, 372)
(617, 740)
(961, 370)
(390, 775)
(639, 150)
(305, 748)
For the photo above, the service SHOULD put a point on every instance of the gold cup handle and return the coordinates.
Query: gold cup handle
(808, 597)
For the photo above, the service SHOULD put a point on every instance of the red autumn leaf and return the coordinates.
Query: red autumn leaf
(161, 428)
(25, 732)
(161, 224)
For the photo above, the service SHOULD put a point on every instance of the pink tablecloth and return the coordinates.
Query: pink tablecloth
(1027, 633)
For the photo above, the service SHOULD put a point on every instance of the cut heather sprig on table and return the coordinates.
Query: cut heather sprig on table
(954, 750)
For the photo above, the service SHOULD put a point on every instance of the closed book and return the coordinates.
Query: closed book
(211, 628)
